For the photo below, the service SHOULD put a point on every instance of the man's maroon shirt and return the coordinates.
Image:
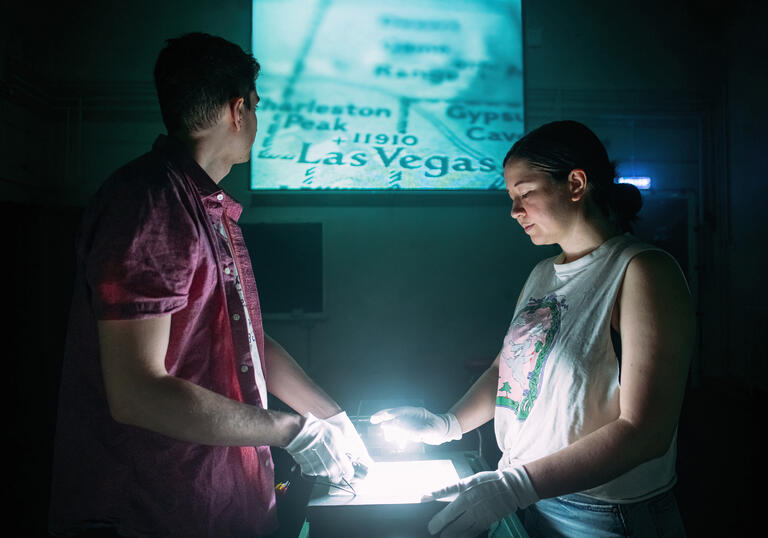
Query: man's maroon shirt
(150, 245)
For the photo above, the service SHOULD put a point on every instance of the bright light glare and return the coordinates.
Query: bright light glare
(642, 183)
(400, 437)
(401, 482)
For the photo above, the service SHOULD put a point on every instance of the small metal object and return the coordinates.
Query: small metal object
(349, 486)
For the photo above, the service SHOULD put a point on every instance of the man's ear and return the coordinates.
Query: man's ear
(577, 184)
(236, 109)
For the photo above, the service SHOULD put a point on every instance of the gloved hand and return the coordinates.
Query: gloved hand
(354, 445)
(483, 499)
(319, 450)
(418, 424)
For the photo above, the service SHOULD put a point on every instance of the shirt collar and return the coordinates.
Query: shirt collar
(565, 270)
(215, 199)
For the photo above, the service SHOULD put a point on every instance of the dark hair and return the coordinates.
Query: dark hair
(562, 146)
(196, 74)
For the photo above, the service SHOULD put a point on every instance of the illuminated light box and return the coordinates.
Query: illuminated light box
(387, 503)
(398, 95)
(390, 482)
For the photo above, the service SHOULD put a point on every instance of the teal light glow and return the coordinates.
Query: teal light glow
(407, 94)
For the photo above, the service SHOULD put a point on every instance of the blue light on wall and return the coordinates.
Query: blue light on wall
(642, 183)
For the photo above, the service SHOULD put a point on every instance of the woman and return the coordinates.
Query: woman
(587, 388)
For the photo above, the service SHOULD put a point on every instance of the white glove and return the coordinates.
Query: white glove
(417, 424)
(319, 450)
(354, 445)
(483, 499)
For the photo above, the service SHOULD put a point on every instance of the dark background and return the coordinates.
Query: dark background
(416, 293)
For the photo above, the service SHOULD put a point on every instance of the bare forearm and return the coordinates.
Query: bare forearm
(141, 393)
(289, 382)
(595, 459)
(478, 404)
(187, 412)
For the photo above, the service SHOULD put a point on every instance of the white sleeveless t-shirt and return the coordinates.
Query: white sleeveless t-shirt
(558, 372)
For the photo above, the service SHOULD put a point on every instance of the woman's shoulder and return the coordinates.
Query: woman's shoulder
(641, 261)
(629, 249)
(655, 263)
(654, 271)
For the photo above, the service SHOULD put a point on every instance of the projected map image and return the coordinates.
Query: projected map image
(359, 94)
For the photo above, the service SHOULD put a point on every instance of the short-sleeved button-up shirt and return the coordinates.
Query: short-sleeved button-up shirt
(151, 244)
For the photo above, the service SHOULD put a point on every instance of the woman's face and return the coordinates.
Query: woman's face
(540, 205)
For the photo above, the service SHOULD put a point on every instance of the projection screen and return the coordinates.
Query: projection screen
(370, 95)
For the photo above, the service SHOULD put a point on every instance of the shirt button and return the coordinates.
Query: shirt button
(236, 317)
(244, 368)
(226, 270)
(219, 197)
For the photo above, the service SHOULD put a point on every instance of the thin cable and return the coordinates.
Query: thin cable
(351, 490)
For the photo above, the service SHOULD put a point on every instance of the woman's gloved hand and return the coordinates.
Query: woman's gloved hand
(320, 450)
(354, 445)
(417, 424)
(483, 499)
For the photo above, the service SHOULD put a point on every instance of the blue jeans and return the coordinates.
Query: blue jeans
(577, 516)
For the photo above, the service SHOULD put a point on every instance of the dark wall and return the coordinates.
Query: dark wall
(38, 276)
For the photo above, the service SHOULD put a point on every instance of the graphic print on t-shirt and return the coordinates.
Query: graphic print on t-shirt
(528, 342)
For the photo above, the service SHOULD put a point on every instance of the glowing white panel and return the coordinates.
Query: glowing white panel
(402, 482)
(642, 183)
(403, 94)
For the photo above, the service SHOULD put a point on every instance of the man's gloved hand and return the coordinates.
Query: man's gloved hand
(319, 449)
(354, 445)
(483, 499)
(417, 424)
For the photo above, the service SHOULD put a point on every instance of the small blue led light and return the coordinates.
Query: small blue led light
(642, 183)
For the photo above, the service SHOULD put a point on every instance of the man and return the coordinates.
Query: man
(163, 428)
